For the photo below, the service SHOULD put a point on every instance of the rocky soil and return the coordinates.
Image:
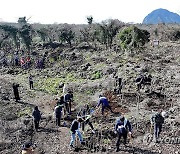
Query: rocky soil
(90, 73)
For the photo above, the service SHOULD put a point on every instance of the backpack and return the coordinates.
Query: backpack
(159, 119)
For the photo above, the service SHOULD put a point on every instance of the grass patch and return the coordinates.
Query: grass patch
(96, 75)
(51, 85)
(24, 112)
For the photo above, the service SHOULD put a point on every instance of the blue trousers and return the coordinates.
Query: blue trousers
(157, 130)
(73, 137)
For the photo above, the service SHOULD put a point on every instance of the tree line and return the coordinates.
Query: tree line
(28, 35)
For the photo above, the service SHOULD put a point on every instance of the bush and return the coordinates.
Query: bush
(175, 35)
(96, 75)
(132, 37)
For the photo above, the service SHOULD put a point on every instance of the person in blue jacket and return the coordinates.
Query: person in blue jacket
(121, 128)
(105, 104)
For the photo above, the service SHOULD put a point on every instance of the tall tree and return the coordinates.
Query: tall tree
(89, 20)
(43, 34)
(22, 20)
(109, 29)
(67, 35)
(11, 32)
(25, 34)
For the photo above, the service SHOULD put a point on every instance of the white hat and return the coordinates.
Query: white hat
(164, 114)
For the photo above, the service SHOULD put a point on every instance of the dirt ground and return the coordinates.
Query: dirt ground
(16, 126)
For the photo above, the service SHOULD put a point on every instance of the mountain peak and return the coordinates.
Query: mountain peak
(161, 16)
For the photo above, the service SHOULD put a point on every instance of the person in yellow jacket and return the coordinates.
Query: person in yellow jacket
(28, 149)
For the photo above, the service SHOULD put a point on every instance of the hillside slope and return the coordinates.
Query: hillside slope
(89, 73)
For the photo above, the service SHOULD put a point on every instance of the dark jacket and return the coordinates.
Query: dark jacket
(68, 97)
(157, 119)
(74, 126)
(104, 101)
(30, 79)
(58, 110)
(37, 115)
(122, 126)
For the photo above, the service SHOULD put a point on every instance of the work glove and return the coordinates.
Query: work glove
(130, 134)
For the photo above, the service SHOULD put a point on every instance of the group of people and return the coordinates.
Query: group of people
(122, 127)
(24, 62)
(64, 103)
(16, 86)
(142, 80)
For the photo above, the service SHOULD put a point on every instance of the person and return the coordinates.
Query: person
(27, 148)
(16, 92)
(118, 85)
(85, 113)
(158, 119)
(105, 104)
(37, 64)
(22, 62)
(30, 81)
(16, 61)
(41, 63)
(68, 99)
(64, 88)
(37, 117)
(28, 61)
(60, 101)
(58, 113)
(121, 128)
(75, 126)
(139, 81)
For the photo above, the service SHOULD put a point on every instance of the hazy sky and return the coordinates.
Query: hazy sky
(76, 11)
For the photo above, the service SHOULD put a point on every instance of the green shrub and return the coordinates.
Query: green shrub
(132, 37)
(96, 75)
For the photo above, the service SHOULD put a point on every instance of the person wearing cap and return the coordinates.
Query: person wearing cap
(105, 104)
(157, 120)
(27, 148)
(75, 126)
(121, 128)
(37, 117)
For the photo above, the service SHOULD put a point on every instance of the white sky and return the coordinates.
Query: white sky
(76, 11)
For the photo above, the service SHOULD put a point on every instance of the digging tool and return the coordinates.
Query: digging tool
(151, 128)
(130, 137)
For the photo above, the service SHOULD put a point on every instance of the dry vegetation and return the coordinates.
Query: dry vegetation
(88, 63)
